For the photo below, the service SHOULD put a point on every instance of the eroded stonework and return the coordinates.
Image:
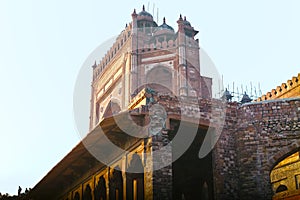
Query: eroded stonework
(148, 94)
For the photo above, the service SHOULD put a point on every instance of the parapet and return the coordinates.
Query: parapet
(113, 51)
(286, 90)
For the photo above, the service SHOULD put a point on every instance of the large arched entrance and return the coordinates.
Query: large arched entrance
(285, 177)
(192, 176)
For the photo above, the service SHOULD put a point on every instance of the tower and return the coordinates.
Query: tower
(146, 55)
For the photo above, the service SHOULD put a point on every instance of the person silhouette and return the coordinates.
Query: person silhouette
(19, 191)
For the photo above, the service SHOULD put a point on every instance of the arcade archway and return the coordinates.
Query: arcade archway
(285, 177)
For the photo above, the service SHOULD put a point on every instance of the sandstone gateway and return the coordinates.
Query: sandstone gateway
(147, 92)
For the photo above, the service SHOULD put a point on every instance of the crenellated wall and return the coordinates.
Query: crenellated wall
(286, 90)
(114, 50)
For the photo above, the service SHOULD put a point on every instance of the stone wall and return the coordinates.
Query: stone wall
(225, 158)
(253, 141)
(162, 178)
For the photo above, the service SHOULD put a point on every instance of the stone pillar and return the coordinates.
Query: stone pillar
(148, 175)
(134, 52)
(127, 73)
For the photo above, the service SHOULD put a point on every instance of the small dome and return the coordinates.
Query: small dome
(145, 13)
(185, 22)
(164, 27)
(227, 95)
(246, 98)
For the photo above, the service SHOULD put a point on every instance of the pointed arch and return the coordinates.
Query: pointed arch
(87, 195)
(160, 79)
(116, 184)
(135, 181)
(283, 153)
(281, 188)
(76, 196)
(100, 189)
(204, 191)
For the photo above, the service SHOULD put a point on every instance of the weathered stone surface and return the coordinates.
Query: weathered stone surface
(254, 139)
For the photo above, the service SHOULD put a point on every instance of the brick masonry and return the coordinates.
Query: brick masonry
(256, 136)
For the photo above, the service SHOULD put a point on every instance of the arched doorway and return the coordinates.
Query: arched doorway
(76, 196)
(204, 191)
(192, 177)
(285, 177)
(100, 189)
(135, 181)
(87, 195)
(115, 184)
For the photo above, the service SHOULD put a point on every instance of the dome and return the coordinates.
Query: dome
(164, 27)
(227, 95)
(246, 98)
(185, 22)
(145, 13)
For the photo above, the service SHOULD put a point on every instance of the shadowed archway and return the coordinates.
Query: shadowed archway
(115, 184)
(100, 189)
(76, 196)
(87, 195)
(135, 181)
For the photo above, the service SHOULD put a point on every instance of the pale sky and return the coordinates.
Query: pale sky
(43, 45)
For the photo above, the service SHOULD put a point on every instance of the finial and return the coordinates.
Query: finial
(184, 18)
(126, 25)
(143, 7)
(180, 17)
(95, 65)
(134, 15)
(164, 20)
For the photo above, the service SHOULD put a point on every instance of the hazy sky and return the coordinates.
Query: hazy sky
(44, 43)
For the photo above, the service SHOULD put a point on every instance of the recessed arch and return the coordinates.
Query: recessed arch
(285, 175)
(281, 188)
(160, 79)
(204, 191)
(282, 154)
(100, 189)
(87, 195)
(76, 196)
(135, 181)
(116, 184)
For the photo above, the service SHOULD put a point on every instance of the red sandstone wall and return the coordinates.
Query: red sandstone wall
(254, 139)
